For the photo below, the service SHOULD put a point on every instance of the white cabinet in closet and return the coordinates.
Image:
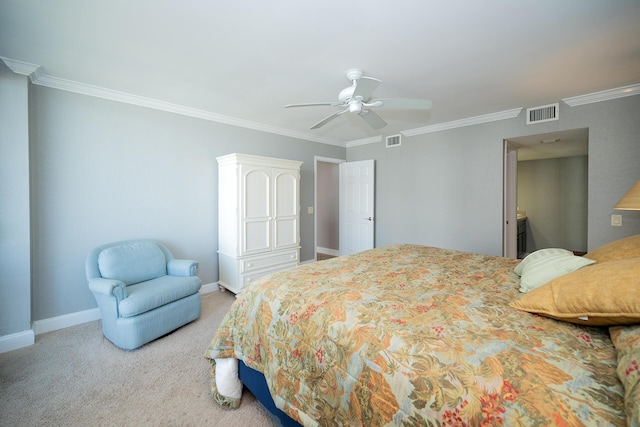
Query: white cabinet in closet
(258, 217)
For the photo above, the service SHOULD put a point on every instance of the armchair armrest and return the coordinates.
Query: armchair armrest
(108, 287)
(182, 267)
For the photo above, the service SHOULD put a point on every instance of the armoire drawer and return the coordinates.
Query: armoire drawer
(268, 261)
(249, 278)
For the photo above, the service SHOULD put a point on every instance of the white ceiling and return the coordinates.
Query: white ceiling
(245, 60)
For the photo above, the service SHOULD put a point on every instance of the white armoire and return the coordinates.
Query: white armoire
(258, 217)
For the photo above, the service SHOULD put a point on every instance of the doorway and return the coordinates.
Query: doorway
(326, 202)
(344, 203)
(545, 192)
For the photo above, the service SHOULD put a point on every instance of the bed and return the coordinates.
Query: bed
(417, 335)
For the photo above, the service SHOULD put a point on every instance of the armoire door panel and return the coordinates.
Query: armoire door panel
(257, 188)
(257, 236)
(285, 233)
(285, 185)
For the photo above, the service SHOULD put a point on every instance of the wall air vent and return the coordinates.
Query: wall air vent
(393, 140)
(545, 113)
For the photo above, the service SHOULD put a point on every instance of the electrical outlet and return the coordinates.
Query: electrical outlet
(616, 220)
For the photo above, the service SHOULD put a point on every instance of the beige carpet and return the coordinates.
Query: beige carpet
(76, 377)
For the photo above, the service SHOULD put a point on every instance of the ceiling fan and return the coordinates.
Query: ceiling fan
(357, 99)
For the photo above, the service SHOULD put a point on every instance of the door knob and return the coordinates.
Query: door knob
(370, 218)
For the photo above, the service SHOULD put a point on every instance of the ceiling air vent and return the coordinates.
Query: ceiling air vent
(393, 140)
(545, 113)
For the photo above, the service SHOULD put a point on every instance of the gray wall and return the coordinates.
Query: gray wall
(445, 188)
(15, 264)
(553, 192)
(440, 189)
(103, 171)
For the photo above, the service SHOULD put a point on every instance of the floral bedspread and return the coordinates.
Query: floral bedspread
(415, 335)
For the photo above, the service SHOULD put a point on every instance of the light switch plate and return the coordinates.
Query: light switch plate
(616, 220)
(310, 210)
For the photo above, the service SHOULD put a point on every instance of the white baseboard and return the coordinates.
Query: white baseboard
(16, 341)
(210, 287)
(328, 251)
(27, 338)
(66, 320)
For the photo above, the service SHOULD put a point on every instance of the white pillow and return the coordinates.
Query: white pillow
(546, 268)
(542, 253)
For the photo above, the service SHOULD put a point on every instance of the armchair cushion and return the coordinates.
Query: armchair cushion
(146, 296)
(132, 262)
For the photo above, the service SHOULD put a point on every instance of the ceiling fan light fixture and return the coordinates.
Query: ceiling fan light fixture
(357, 98)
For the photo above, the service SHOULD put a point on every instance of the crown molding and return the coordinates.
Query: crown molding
(33, 71)
(37, 76)
(604, 95)
(364, 141)
(485, 118)
(114, 95)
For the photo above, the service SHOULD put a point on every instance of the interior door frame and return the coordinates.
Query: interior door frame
(510, 191)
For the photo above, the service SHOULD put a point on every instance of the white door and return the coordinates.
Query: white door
(357, 203)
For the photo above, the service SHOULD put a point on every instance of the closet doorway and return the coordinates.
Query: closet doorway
(546, 183)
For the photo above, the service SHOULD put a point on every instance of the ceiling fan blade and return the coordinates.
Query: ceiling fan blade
(365, 87)
(404, 103)
(328, 119)
(373, 119)
(313, 104)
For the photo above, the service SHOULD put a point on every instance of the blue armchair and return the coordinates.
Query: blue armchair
(142, 291)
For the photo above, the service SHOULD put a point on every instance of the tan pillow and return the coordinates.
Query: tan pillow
(601, 294)
(628, 247)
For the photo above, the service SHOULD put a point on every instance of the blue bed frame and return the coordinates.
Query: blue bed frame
(257, 385)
